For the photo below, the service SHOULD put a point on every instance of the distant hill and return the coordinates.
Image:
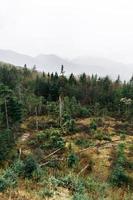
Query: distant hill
(52, 63)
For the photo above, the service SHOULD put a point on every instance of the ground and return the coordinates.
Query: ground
(98, 151)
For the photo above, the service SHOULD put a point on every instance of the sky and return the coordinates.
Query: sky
(68, 28)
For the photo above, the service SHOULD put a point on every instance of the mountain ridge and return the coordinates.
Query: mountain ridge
(52, 62)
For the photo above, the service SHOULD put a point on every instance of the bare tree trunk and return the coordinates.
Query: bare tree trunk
(6, 112)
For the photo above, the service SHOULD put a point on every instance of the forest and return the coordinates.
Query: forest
(65, 137)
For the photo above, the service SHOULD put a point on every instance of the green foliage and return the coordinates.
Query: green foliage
(15, 110)
(69, 123)
(29, 167)
(52, 108)
(84, 95)
(88, 188)
(6, 143)
(84, 143)
(84, 111)
(80, 196)
(72, 160)
(10, 106)
(118, 176)
(100, 135)
(11, 177)
(122, 135)
(51, 138)
(3, 184)
(70, 181)
(46, 193)
(94, 185)
(18, 167)
(38, 174)
(93, 125)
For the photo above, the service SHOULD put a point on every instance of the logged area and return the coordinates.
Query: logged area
(65, 138)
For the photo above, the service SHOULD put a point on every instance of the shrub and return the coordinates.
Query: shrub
(95, 187)
(17, 167)
(122, 136)
(57, 141)
(53, 139)
(6, 143)
(71, 125)
(41, 136)
(53, 164)
(80, 196)
(93, 125)
(84, 143)
(84, 112)
(11, 177)
(72, 182)
(102, 136)
(72, 160)
(99, 121)
(38, 174)
(118, 176)
(46, 193)
(3, 184)
(30, 166)
(107, 137)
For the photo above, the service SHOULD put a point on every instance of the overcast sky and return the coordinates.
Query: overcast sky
(68, 28)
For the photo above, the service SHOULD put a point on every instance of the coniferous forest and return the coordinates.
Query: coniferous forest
(65, 137)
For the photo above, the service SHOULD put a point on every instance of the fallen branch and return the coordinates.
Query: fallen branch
(98, 146)
(52, 153)
(43, 164)
(83, 169)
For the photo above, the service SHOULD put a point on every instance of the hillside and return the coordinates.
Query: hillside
(65, 137)
(52, 63)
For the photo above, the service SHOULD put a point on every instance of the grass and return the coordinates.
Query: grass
(63, 182)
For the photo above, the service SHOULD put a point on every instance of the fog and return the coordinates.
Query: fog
(68, 28)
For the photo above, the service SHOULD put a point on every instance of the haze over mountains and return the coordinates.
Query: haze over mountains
(52, 63)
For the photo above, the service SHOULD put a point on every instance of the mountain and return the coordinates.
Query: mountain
(52, 63)
(104, 66)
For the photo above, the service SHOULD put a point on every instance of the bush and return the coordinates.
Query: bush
(71, 182)
(53, 139)
(84, 143)
(122, 136)
(69, 124)
(11, 177)
(46, 193)
(84, 112)
(3, 184)
(6, 143)
(99, 135)
(93, 125)
(118, 176)
(99, 121)
(41, 136)
(30, 166)
(38, 174)
(93, 185)
(17, 167)
(79, 196)
(72, 160)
